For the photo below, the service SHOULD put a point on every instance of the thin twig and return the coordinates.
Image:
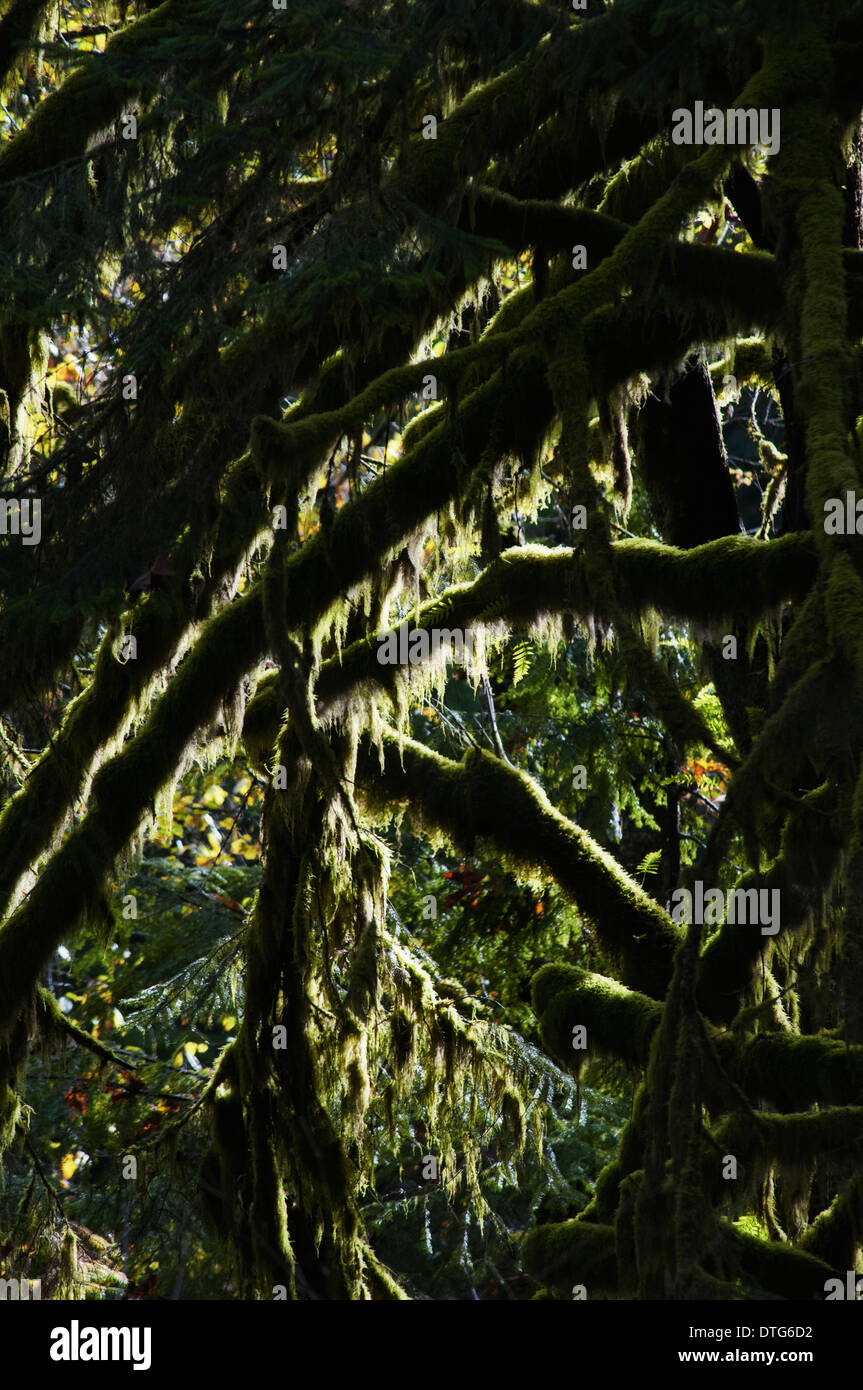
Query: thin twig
(49, 1187)
(489, 699)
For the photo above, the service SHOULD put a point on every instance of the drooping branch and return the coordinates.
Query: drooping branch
(88, 101)
(733, 579)
(123, 791)
(483, 797)
(790, 1072)
(231, 645)
(18, 28)
(620, 1022)
(579, 1252)
(761, 1138)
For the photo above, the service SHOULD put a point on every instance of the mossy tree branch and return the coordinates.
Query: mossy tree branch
(483, 796)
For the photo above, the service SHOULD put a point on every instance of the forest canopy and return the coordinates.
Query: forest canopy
(431, 707)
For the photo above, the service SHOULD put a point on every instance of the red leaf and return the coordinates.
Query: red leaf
(76, 1099)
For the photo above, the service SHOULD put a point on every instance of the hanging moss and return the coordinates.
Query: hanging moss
(293, 1145)
(18, 28)
(325, 884)
(122, 792)
(753, 362)
(808, 855)
(421, 484)
(516, 816)
(638, 182)
(529, 583)
(86, 103)
(94, 726)
(13, 1054)
(683, 722)
(68, 1272)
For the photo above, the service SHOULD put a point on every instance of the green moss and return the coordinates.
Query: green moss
(572, 1252)
(620, 1022)
(807, 858)
(122, 793)
(517, 817)
(789, 1140)
(88, 101)
(792, 1072)
(776, 1268)
(837, 1234)
(753, 363)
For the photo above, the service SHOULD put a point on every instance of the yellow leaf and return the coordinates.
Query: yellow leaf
(214, 796)
(68, 1164)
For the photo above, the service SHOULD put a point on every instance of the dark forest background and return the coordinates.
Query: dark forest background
(322, 317)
